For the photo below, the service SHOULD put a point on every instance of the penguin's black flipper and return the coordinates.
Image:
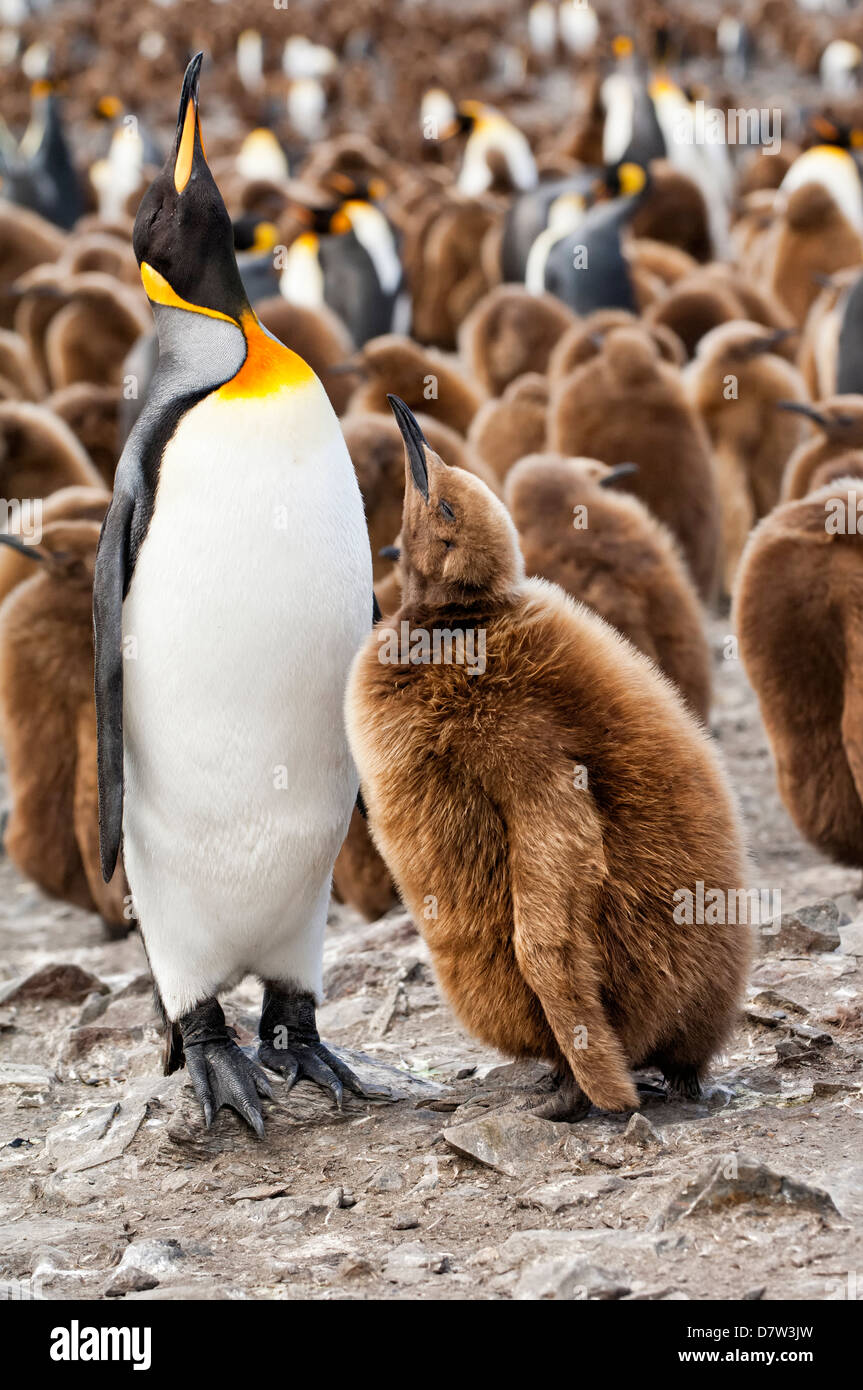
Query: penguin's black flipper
(109, 586)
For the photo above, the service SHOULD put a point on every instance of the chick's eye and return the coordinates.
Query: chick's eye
(446, 510)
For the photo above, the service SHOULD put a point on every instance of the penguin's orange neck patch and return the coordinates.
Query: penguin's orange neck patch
(269, 366)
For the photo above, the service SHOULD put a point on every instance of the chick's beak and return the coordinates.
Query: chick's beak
(415, 445)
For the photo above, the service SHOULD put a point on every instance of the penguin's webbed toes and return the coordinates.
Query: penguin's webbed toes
(568, 1102)
(311, 1061)
(222, 1074)
(292, 1047)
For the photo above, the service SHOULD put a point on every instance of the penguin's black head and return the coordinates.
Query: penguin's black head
(183, 237)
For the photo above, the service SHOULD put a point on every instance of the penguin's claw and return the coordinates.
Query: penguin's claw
(568, 1102)
(312, 1062)
(291, 1046)
(222, 1074)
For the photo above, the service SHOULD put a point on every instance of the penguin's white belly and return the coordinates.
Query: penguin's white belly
(251, 593)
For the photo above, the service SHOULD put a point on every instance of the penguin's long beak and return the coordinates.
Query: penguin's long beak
(623, 470)
(801, 408)
(415, 444)
(189, 147)
(30, 551)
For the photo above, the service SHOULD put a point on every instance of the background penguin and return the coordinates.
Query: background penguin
(587, 337)
(495, 150)
(529, 213)
(586, 268)
(620, 562)
(48, 720)
(849, 363)
(813, 238)
(66, 504)
(331, 264)
(626, 405)
(433, 383)
(735, 383)
(510, 332)
(92, 414)
(831, 166)
(256, 711)
(42, 175)
(527, 946)
(508, 427)
(39, 453)
(797, 614)
(838, 428)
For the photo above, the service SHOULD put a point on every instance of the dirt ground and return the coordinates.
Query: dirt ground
(110, 1186)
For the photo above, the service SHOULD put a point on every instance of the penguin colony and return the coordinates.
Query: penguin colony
(528, 364)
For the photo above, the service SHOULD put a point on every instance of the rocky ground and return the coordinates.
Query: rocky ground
(111, 1187)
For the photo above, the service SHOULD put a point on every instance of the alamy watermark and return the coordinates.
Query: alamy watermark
(441, 646)
(699, 124)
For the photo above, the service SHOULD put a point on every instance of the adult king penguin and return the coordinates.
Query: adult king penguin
(234, 491)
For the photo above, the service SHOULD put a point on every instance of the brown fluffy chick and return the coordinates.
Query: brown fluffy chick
(26, 240)
(543, 807)
(627, 405)
(376, 450)
(510, 332)
(799, 617)
(426, 379)
(508, 427)
(838, 425)
(736, 382)
(92, 414)
(586, 339)
(48, 723)
(604, 548)
(67, 504)
(812, 239)
(39, 453)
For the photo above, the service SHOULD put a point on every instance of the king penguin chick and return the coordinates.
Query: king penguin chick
(223, 760)
(735, 383)
(626, 405)
(839, 425)
(429, 380)
(510, 332)
(39, 453)
(377, 453)
(48, 722)
(544, 785)
(798, 617)
(507, 428)
(66, 504)
(605, 549)
(813, 238)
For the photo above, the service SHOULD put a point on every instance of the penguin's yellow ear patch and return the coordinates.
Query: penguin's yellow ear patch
(158, 291)
(185, 154)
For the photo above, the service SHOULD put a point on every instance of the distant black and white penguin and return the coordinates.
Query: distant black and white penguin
(41, 174)
(223, 759)
(586, 267)
(348, 260)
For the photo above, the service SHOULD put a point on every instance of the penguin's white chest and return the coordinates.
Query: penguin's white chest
(250, 595)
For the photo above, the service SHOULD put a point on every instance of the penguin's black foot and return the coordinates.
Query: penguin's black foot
(221, 1073)
(568, 1101)
(291, 1046)
(683, 1082)
(651, 1091)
